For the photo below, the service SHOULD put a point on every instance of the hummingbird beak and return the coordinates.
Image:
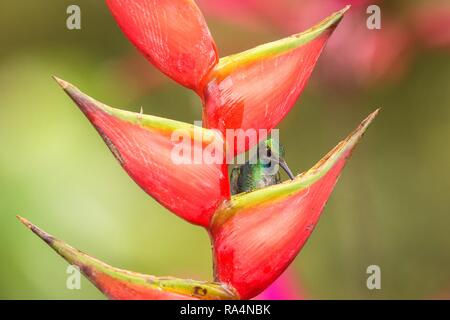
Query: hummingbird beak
(285, 167)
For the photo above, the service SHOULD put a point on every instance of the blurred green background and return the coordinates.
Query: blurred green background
(390, 208)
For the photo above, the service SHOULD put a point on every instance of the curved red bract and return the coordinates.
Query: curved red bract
(250, 261)
(257, 235)
(172, 34)
(192, 191)
(120, 290)
(121, 284)
(144, 144)
(259, 94)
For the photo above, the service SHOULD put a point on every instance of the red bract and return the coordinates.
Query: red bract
(257, 88)
(144, 144)
(172, 34)
(255, 235)
(121, 284)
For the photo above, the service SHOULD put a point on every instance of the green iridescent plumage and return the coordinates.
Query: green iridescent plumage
(261, 170)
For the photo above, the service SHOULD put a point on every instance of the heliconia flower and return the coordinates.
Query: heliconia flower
(144, 147)
(256, 235)
(172, 34)
(121, 284)
(251, 90)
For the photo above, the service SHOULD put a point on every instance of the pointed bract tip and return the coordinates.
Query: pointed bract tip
(366, 122)
(332, 21)
(346, 8)
(36, 230)
(64, 84)
(24, 221)
(339, 15)
(81, 99)
(357, 134)
(375, 113)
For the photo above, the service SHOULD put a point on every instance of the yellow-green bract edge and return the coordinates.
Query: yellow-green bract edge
(281, 46)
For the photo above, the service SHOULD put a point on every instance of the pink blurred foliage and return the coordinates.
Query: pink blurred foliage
(359, 56)
(286, 15)
(431, 23)
(286, 287)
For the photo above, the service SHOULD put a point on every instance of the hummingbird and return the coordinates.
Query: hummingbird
(260, 172)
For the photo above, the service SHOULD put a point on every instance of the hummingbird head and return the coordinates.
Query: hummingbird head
(272, 152)
(274, 148)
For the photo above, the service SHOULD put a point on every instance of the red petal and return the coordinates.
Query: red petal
(257, 88)
(143, 145)
(172, 34)
(121, 284)
(258, 234)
